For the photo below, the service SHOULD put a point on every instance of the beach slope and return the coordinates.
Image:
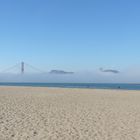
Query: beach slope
(33, 113)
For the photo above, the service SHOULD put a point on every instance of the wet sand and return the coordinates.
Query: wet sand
(28, 113)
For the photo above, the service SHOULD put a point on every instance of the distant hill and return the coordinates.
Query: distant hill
(110, 71)
(60, 72)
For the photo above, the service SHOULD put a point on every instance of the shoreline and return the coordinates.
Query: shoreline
(70, 88)
(104, 86)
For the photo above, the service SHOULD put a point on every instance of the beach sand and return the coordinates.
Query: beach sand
(28, 113)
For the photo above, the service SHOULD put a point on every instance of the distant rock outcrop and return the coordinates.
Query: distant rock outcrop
(60, 72)
(110, 71)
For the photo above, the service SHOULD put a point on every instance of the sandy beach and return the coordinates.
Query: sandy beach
(28, 113)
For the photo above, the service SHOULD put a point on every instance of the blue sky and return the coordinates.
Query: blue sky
(74, 35)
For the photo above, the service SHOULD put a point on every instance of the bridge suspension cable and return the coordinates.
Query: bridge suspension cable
(10, 68)
(22, 67)
(35, 68)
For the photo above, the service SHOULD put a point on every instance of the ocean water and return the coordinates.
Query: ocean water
(79, 85)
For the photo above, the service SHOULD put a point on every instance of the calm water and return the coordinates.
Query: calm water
(78, 85)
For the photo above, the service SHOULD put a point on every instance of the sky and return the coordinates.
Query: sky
(75, 35)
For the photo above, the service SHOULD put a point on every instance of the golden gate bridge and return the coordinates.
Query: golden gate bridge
(21, 68)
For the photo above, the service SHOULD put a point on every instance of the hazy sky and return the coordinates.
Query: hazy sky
(72, 35)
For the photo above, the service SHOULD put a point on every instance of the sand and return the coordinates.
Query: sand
(68, 114)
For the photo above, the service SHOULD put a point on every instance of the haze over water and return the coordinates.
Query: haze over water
(97, 40)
